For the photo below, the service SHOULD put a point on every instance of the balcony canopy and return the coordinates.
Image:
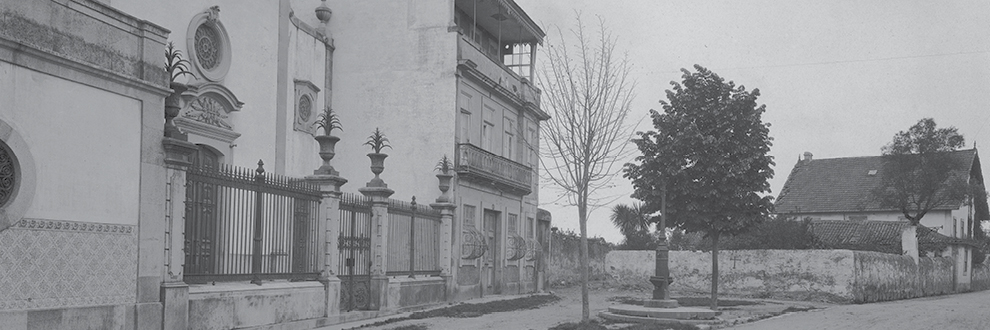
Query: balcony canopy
(503, 18)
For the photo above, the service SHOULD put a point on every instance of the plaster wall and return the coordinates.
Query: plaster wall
(308, 62)
(882, 277)
(253, 29)
(394, 69)
(837, 275)
(563, 264)
(86, 145)
(765, 273)
(242, 305)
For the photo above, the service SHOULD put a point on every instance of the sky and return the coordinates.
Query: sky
(838, 78)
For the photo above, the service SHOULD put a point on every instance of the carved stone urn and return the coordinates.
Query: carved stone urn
(173, 103)
(327, 145)
(444, 187)
(377, 166)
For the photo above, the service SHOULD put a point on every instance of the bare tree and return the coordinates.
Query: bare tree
(587, 92)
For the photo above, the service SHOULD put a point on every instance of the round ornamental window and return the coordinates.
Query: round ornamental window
(209, 48)
(305, 108)
(8, 176)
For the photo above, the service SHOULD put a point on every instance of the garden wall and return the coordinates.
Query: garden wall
(981, 277)
(564, 263)
(829, 275)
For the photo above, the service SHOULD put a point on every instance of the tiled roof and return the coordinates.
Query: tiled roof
(875, 235)
(843, 184)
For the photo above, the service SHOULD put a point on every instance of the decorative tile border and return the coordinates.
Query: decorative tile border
(75, 226)
(48, 264)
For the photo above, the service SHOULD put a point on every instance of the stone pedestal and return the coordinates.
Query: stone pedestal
(446, 231)
(379, 243)
(174, 292)
(329, 185)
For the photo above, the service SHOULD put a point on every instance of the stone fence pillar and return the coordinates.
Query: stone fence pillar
(329, 224)
(175, 292)
(378, 191)
(446, 231)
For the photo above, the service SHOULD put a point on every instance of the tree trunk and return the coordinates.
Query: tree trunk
(583, 221)
(714, 302)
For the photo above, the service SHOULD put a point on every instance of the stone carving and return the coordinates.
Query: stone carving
(208, 46)
(208, 110)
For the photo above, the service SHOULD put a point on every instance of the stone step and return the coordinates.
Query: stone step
(654, 320)
(679, 313)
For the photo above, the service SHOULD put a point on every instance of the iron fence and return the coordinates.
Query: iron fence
(249, 225)
(354, 252)
(414, 239)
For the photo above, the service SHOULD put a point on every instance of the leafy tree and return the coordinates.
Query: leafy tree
(586, 91)
(635, 226)
(709, 153)
(918, 174)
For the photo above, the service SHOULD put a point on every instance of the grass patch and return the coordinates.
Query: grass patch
(411, 327)
(594, 325)
(474, 310)
(688, 301)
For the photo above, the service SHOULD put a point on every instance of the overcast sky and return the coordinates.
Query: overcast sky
(838, 78)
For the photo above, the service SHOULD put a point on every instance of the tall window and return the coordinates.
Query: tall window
(517, 57)
(513, 223)
(469, 213)
(509, 139)
(529, 228)
(532, 143)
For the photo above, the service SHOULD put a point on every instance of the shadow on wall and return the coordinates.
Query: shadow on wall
(564, 264)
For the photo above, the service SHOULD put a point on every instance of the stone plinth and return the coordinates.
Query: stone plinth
(652, 315)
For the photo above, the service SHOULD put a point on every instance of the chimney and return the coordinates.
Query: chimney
(807, 156)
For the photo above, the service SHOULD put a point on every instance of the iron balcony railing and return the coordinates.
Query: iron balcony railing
(474, 163)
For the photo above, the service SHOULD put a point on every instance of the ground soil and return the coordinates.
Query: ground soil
(568, 309)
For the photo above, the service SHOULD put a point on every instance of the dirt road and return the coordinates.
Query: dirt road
(959, 311)
(568, 309)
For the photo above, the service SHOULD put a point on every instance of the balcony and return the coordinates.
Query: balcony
(475, 164)
(495, 74)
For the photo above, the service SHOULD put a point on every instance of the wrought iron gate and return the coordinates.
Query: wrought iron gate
(354, 246)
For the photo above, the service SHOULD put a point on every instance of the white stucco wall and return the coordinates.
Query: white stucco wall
(85, 143)
(307, 62)
(394, 69)
(747, 272)
(252, 26)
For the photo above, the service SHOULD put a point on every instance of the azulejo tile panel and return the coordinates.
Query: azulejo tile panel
(47, 264)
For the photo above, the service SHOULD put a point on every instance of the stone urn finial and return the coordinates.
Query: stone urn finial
(444, 166)
(377, 141)
(323, 12)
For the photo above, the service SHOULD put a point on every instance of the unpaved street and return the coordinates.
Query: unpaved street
(960, 311)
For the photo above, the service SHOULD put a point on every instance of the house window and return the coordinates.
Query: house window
(513, 223)
(486, 135)
(469, 213)
(509, 139)
(532, 144)
(517, 58)
(529, 228)
(464, 103)
(857, 218)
